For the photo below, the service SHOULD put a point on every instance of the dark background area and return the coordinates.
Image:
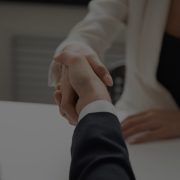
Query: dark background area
(73, 2)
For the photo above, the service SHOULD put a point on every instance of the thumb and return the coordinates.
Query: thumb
(101, 71)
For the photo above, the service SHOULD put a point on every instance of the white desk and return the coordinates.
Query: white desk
(35, 145)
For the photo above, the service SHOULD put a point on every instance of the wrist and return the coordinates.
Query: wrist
(97, 107)
(92, 97)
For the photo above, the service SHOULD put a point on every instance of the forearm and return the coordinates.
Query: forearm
(101, 25)
(98, 150)
(94, 34)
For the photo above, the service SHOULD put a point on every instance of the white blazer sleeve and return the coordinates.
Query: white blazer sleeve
(96, 31)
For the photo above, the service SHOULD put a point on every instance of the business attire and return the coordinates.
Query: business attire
(145, 21)
(98, 149)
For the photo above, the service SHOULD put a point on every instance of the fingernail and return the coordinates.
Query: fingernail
(108, 79)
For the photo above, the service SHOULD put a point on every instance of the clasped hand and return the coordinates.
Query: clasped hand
(79, 84)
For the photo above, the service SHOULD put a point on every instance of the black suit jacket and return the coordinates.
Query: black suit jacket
(98, 150)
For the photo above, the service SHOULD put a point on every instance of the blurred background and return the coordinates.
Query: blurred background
(30, 31)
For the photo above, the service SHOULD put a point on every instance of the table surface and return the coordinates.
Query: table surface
(35, 144)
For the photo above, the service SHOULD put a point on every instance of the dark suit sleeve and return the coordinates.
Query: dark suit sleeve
(98, 150)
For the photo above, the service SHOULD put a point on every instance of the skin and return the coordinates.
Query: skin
(157, 124)
(77, 73)
(69, 96)
(173, 25)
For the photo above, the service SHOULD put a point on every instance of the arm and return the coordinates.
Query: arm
(98, 150)
(94, 34)
(101, 25)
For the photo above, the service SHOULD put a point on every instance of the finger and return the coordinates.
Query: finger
(58, 87)
(57, 97)
(131, 122)
(69, 98)
(66, 116)
(101, 71)
(146, 126)
(62, 112)
(56, 69)
(146, 137)
(148, 112)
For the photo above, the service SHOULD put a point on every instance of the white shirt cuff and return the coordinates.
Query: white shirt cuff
(97, 106)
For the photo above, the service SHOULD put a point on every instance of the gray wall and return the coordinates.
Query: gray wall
(30, 19)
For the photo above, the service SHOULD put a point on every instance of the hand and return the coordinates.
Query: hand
(154, 125)
(67, 102)
(69, 96)
(86, 85)
(99, 69)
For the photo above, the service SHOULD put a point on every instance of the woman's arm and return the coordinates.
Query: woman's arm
(95, 33)
(100, 26)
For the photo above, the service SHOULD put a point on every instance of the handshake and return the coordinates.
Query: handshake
(83, 81)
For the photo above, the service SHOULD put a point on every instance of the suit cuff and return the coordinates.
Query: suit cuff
(97, 106)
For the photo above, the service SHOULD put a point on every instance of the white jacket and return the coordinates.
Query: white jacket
(145, 21)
